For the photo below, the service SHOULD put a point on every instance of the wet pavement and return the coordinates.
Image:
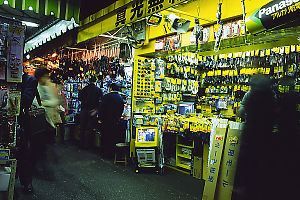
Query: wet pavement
(73, 174)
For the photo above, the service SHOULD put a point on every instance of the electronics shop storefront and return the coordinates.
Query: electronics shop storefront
(190, 78)
(191, 71)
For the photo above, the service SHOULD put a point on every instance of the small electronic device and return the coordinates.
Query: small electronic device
(185, 107)
(145, 156)
(146, 137)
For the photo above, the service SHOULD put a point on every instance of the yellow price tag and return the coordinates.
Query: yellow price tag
(280, 69)
(256, 52)
(196, 84)
(293, 48)
(287, 49)
(173, 81)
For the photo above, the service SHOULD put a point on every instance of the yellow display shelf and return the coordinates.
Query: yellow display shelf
(184, 156)
(181, 145)
(184, 166)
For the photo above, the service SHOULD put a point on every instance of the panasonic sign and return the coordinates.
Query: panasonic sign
(275, 8)
(273, 15)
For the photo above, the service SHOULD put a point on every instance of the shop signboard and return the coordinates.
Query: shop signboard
(229, 162)
(214, 162)
(15, 38)
(142, 8)
(274, 14)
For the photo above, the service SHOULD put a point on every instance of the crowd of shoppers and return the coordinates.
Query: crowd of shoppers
(97, 112)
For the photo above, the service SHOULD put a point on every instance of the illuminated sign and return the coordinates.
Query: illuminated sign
(272, 15)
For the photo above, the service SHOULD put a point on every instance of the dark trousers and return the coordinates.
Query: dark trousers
(112, 132)
(88, 124)
(25, 157)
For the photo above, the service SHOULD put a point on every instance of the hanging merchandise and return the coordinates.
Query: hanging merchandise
(219, 33)
(11, 68)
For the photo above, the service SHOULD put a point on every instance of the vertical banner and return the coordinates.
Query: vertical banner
(229, 162)
(15, 38)
(214, 162)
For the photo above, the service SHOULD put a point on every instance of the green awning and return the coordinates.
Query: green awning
(49, 34)
(62, 9)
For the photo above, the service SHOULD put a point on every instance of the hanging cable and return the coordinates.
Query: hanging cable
(244, 19)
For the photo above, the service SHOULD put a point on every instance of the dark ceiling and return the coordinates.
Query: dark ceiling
(28, 16)
(89, 7)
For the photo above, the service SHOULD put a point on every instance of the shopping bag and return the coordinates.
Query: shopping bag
(38, 121)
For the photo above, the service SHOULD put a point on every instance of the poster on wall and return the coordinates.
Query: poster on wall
(15, 38)
(14, 101)
(3, 50)
(171, 43)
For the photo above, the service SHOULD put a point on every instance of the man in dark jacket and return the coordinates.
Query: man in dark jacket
(110, 112)
(90, 97)
(25, 162)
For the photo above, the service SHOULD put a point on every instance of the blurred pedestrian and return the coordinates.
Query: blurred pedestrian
(90, 97)
(61, 108)
(49, 102)
(253, 178)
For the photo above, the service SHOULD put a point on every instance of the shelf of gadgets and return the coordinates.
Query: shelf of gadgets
(160, 94)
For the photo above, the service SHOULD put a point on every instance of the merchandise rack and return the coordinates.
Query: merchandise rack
(12, 163)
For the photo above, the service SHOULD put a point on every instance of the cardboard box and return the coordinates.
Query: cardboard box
(229, 162)
(214, 162)
(197, 169)
(4, 178)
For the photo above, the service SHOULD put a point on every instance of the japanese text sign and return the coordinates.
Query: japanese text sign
(142, 8)
(229, 162)
(214, 162)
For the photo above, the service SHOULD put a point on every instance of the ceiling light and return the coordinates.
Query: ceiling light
(5, 2)
(54, 55)
(31, 24)
(30, 8)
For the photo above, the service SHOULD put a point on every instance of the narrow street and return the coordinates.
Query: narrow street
(73, 174)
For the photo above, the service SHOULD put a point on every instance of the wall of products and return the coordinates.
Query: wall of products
(11, 57)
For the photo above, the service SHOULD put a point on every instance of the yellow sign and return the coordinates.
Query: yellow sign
(139, 9)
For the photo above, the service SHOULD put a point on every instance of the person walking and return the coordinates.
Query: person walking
(25, 159)
(254, 174)
(110, 112)
(49, 102)
(90, 97)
